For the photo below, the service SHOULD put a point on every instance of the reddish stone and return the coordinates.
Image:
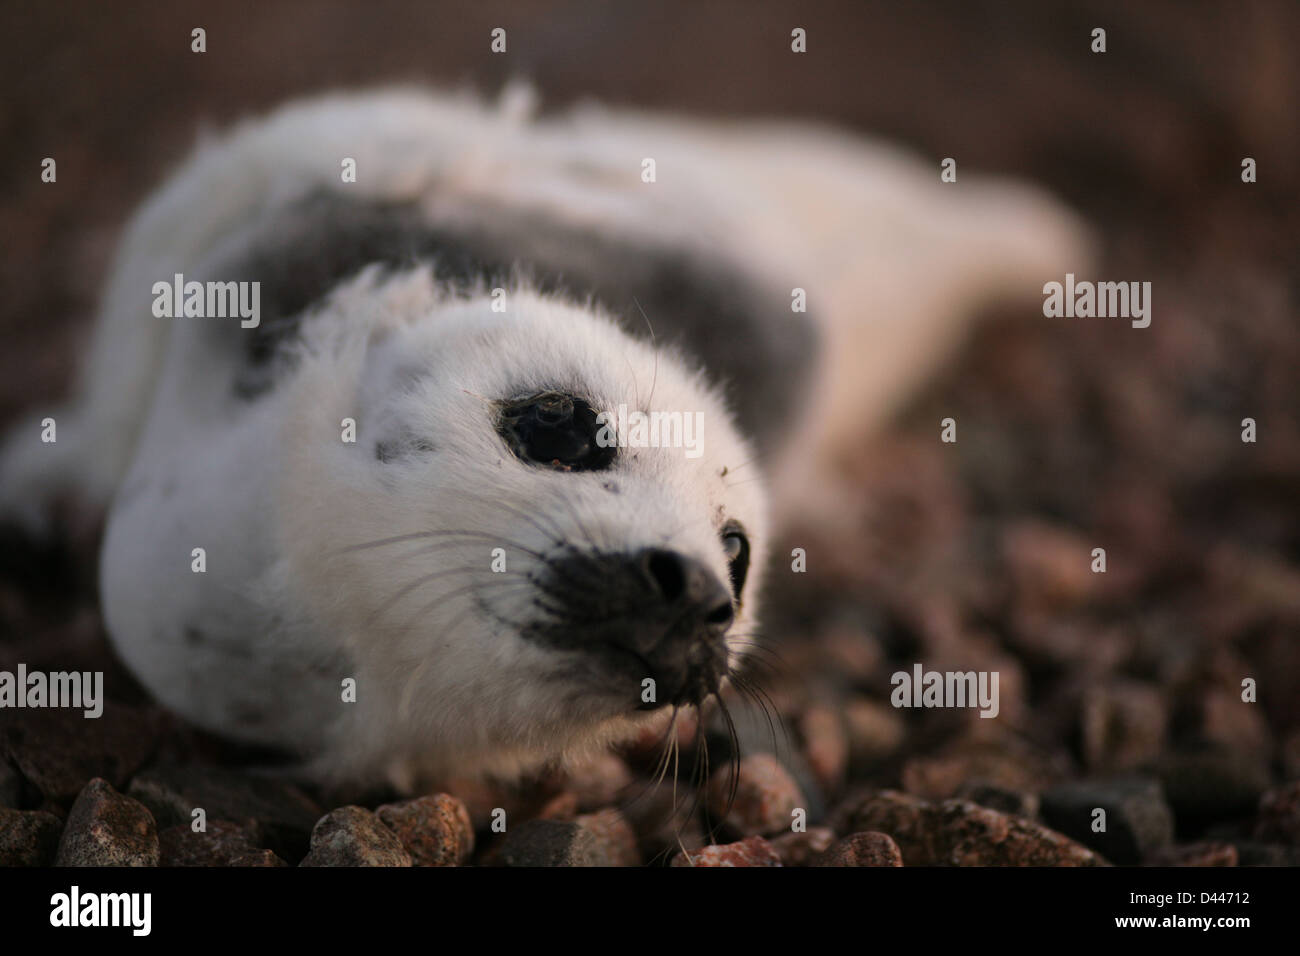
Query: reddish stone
(435, 829)
(751, 851)
(766, 797)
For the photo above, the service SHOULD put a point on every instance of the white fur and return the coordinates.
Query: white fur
(891, 259)
(276, 498)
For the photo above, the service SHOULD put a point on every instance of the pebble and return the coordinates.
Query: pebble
(106, 828)
(968, 761)
(1252, 853)
(647, 747)
(285, 815)
(522, 801)
(598, 839)
(1138, 821)
(1048, 564)
(801, 848)
(905, 818)
(1231, 722)
(1210, 853)
(1279, 815)
(1275, 661)
(1020, 803)
(222, 843)
(826, 746)
(961, 833)
(1122, 725)
(875, 732)
(552, 843)
(661, 821)
(751, 851)
(28, 837)
(971, 835)
(1291, 756)
(1068, 642)
(11, 785)
(435, 830)
(599, 780)
(58, 750)
(862, 849)
(614, 836)
(852, 652)
(765, 799)
(353, 836)
(1210, 784)
(563, 806)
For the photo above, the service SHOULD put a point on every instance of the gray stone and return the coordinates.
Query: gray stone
(553, 843)
(1138, 821)
(285, 815)
(353, 836)
(11, 785)
(105, 828)
(28, 837)
(58, 750)
(222, 843)
(1211, 784)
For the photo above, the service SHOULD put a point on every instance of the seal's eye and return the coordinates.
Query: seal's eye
(554, 430)
(736, 545)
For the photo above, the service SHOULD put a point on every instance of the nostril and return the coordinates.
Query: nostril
(721, 615)
(667, 572)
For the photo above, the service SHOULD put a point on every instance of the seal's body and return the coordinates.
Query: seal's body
(383, 525)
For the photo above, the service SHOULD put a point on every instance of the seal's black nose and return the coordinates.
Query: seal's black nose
(689, 613)
(657, 613)
(684, 582)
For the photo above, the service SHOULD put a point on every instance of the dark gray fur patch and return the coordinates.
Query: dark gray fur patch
(321, 241)
(402, 447)
(736, 325)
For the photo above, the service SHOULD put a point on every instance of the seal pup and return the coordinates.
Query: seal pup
(375, 524)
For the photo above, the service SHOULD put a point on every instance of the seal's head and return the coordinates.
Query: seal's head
(544, 529)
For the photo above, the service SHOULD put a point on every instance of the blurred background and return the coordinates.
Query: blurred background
(1073, 435)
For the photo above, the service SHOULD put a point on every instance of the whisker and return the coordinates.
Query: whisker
(552, 533)
(654, 345)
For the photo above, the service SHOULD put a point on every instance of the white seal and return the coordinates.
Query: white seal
(462, 472)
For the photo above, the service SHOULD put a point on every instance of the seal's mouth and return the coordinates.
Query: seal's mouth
(650, 624)
(675, 678)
